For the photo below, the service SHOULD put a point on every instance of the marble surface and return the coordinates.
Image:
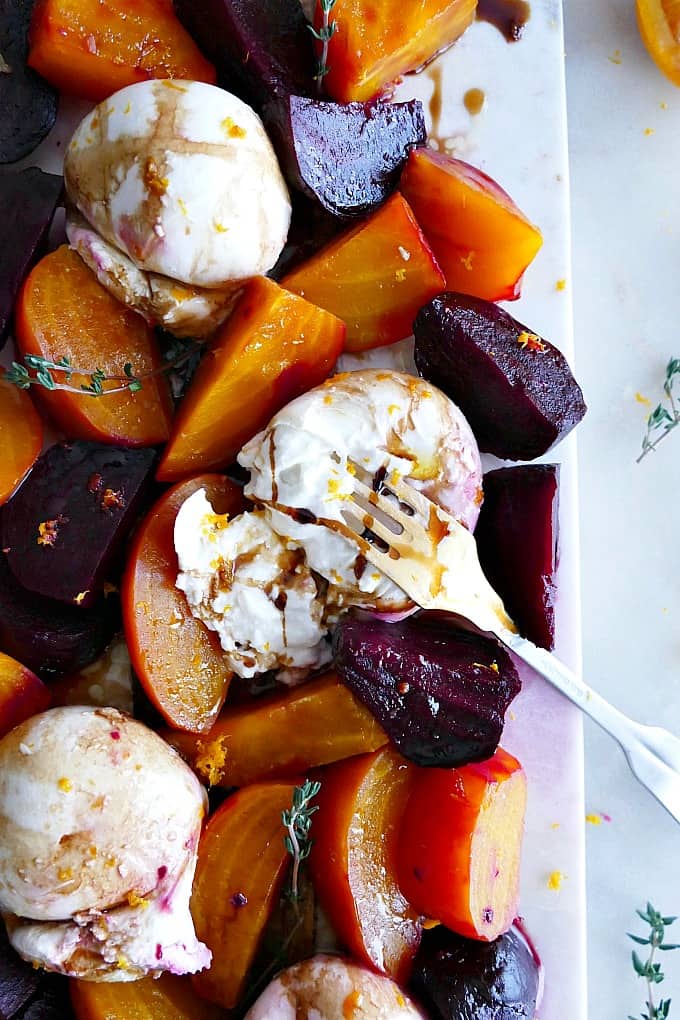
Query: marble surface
(624, 143)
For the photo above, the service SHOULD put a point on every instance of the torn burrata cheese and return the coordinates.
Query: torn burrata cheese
(253, 589)
(99, 827)
(385, 424)
(179, 191)
(327, 988)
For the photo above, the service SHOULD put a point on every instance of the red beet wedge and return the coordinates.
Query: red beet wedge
(65, 525)
(27, 203)
(516, 389)
(439, 691)
(517, 536)
(346, 157)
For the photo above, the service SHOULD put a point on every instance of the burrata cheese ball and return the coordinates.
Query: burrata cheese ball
(180, 178)
(99, 827)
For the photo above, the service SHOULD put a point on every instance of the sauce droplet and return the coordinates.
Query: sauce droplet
(475, 100)
(508, 16)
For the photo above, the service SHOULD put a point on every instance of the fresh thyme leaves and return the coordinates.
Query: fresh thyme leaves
(665, 417)
(57, 375)
(298, 821)
(649, 969)
(324, 34)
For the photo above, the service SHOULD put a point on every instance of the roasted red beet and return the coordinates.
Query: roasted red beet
(346, 157)
(516, 537)
(260, 50)
(52, 1002)
(515, 389)
(28, 105)
(461, 979)
(27, 203)
(50, 638)
(439, 691)
(65, 525)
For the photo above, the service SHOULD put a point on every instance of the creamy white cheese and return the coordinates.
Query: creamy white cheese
(99, 828)
(181, 177)
(391, 425)
(253, 589)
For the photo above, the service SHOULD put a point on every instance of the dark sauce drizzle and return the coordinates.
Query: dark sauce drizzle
(508, 16)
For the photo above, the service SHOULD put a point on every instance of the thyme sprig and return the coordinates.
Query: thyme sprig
(665, 417)
(324, 34)
(297, 822)
(649, 969)
(56, 375)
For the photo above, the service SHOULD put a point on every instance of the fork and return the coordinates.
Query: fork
(434, 560)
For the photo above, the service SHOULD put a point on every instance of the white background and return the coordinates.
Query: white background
(626, 292)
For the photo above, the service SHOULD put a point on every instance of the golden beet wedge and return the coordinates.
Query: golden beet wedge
(481, 239)
(375, 276)
(274, 347)
(283, 734)
(376, 42)
(92, 48)
(460, 842)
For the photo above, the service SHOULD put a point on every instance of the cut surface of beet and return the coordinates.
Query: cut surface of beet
(64, 526)
(28, 105)
(516, 389)
(345, 156)
(259, 49)
(50, 638)
(439, 691)
(461, 979)
(27, 204)
(517, 537)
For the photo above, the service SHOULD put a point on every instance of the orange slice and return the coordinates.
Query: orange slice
(659, 23)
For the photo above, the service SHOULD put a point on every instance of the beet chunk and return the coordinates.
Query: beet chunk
(259, 49)
(53, 1001)
(515, 389)
(28, 105)
(19, 980)
(69, 519)
(461, 979)
(439, 691)
(27, 203)
(517, 536)
(50, 638)
(345, 156)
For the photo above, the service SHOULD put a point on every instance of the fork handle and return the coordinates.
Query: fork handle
(618, 725)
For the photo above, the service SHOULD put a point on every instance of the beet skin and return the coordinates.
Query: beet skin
(515, 389)
(28, 105)
(439, 691)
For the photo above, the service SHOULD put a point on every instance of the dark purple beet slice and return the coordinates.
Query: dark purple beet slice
(53, 1001)
(517, 534)
(515, 389)
(345, 156)
(19, 980)
(28, 105)
(27, 203)
(462, 979)
(311, 227)
(439, 691)
(259, 49)
(64, 527)
(50, 638)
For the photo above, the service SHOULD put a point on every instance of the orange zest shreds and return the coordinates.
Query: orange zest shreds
(561, 284)
(594, 819)
(134, 900)
(555, 880)
(48, 531)
(211, 760)
(81, 596)
(65, 785)
(530, 342)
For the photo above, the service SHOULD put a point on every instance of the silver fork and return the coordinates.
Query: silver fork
(434, 560)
